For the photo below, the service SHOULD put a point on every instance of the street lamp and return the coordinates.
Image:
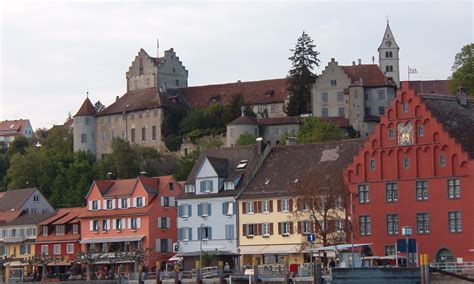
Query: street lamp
(352, 232)
(200, 246)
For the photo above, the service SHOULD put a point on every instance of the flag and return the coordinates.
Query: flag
(412, 70)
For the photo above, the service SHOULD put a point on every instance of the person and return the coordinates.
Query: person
(332, 263)
(226, 266)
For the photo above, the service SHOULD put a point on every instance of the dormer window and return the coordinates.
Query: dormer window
(242, 164)
(229, 185)
(95, 205)
(189, 188)
(109, 204)
(207, 186)
(124, 203)
(140, 202)
(170, 186)
(36, 198)
(60, 229)
(45, 230)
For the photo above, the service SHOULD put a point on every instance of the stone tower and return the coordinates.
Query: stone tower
(85, 128)
(389, 56)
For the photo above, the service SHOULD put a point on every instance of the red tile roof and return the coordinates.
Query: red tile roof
(115, 213)
(338, 120)
(135, 101)
(123, 187)
(244, 120)
(52, 238)
(9, 126)
(86, 109)
(422, 87)
(7, 216)
(370, 74)
(253, 92)
(279, 120)
(64, 216)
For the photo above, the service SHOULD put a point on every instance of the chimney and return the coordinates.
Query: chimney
(353, 63)
(259, 145)
(110, 176)
(360, 61)
(462, 96)
(116, 98)
(143, 173)
(291, 141)
(373, 60)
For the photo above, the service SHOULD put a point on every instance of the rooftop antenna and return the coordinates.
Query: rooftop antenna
(373, 60)
(157, 48)
(87, 94)
(387, 20)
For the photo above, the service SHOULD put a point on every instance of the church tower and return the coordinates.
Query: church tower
(85, 128)
(389, 56)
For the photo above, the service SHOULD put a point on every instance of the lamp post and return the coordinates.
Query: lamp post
(200, 246)
(352, 233)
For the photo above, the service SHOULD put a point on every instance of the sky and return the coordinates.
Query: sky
(53, 52)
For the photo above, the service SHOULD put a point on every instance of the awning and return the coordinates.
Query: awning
(214, 253)
(340, 247)
(111, 240)
(251, 249)
(281, 249)
(15, 264)
(60, 263)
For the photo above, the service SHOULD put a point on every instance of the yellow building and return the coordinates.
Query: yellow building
(17, 244)
(285, 202)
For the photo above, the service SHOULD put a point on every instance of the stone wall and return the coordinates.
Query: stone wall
(84, 133)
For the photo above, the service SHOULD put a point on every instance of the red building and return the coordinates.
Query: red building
(130, 217)
(59, 237)
(417, 170)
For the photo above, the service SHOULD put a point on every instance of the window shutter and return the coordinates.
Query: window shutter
(278, 205)
(168, 222)
(209, 231)
(199, 234)
(190, 211)
(170, 245)
(271, 228)
(162, 201)
(259, 206)
(225, 206)
(255, 229)
(104, 204)
(290, 205)
(128, 202)
(98, 204)
(203, 186)
(244, 207)
(134, 202)
(180, 211)
(200, 209)
(212, 185)
(114, 224)
(158, 245)
(209, 209)
(291, 227)
(180, 234)
(119, 203)
(300, 224)
(270, 205)
(259, 229)
(190, 234)
(108, 224)
(244, 230)
(113, 203)
(279, 227)
(298, 204)
(255, 206)
(172, 203)
(91, 225)
(235, 207)
(139, 222)
(90, 205)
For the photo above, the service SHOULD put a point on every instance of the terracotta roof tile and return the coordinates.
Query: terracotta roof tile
(64, 216)
(113, 213)
(244, 120)
(51, 238)
(279, 120)
(14, 199)
(86, 109)
(338, 120)
(422, 87)
(7, 216)
(30, 219)
(253, 92)
(134, 101)
(13, 125)
(370, 74)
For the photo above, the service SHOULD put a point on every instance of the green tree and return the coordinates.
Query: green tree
(246, 139)
(233, 109)
(173, 142)
(463, 70)
(122, 162)
(209, 142)
(314, 130)
(149, 159)
(185, 165)
(301, 76)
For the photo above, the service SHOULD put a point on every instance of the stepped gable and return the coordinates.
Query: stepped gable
(253, 92)
(285, 167)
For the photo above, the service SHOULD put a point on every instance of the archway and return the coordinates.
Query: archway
(444, 255)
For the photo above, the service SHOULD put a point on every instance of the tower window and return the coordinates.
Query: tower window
(177, 83)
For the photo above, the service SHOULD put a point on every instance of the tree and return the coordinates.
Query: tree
(122, 162)
(233, 109)
(209, 142)
(314, 130)
(301, 76)
(463, 70)
(246, 139)
(185, 165)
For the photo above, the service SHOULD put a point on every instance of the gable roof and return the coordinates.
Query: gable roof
(220, 165)
(64, 216)
(86, 109)
(231, 156)
(285, 167)
(244, 120)
(135, 100)
(30, 219)
(422, 87)
(457, 120)
(367, 75)
(279, 120)
(16, 126)
(124, 187)
(253, 92)
(15, 198)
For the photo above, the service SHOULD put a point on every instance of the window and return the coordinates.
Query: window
(124, 203)
(36, 198)
(95, 205)
(87, 120)
(364, 225)
(206, 186)
(391, 134)
(133, 135)
(153, 132)
(333, 82)
(118, 224)
(368, 111)
(372, 165)
(31, 232)
(140, 201)
(391, 192)
(285, 205)
(406, 163)
(454, 188)
(423, 223)
(249, 230)
(171, 186)
(266, 229)
(274, 108)
(188, 188)
(229, 185)
(134, 223)
(124, 136)
(105, 225)
(231, 132)
(95, 225)
(143, 134)
(389, 250)
(75, 229)
(324, 97)
(184, 211)
(185, 234)
(249, 207)
(57, 249)
(265, 206)
(229, 232)
(25, 249)
(422, 190)
(4, 233)
(340, 96)
(405, 107)
(204, 209)
(392, 224)
(60, 229)
(70, 248)
(421, 131)
(109, 203)
(455, 224)
(363, 193)
(381, 110)
(367, 96)
(285, 228)
(165, 201)
(442, 160)
(306, 227)
(205, 233)
(45, 230)
(381, 94)
(83, 138)
(340, 111)
(177, 83)
(324, 112)
(228, 208)
(44, 249)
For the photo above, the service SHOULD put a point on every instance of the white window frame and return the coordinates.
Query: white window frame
(265, 206)
(285, 205)
(44, 250)
(266, 229)
(249, 207)
(69, 248)
(57, 249)
(285, 228)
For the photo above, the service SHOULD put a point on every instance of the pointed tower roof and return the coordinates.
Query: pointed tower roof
(87, 109)
(388, 40)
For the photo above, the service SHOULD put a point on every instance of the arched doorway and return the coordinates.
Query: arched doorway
(444, 255)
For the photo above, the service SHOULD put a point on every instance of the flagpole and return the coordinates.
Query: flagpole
(408, 73)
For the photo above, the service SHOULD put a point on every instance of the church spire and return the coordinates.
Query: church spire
(389, 55)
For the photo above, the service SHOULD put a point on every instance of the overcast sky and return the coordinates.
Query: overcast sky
(52, 53)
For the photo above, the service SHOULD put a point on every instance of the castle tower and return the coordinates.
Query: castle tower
(389, 56)
(85, 128)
